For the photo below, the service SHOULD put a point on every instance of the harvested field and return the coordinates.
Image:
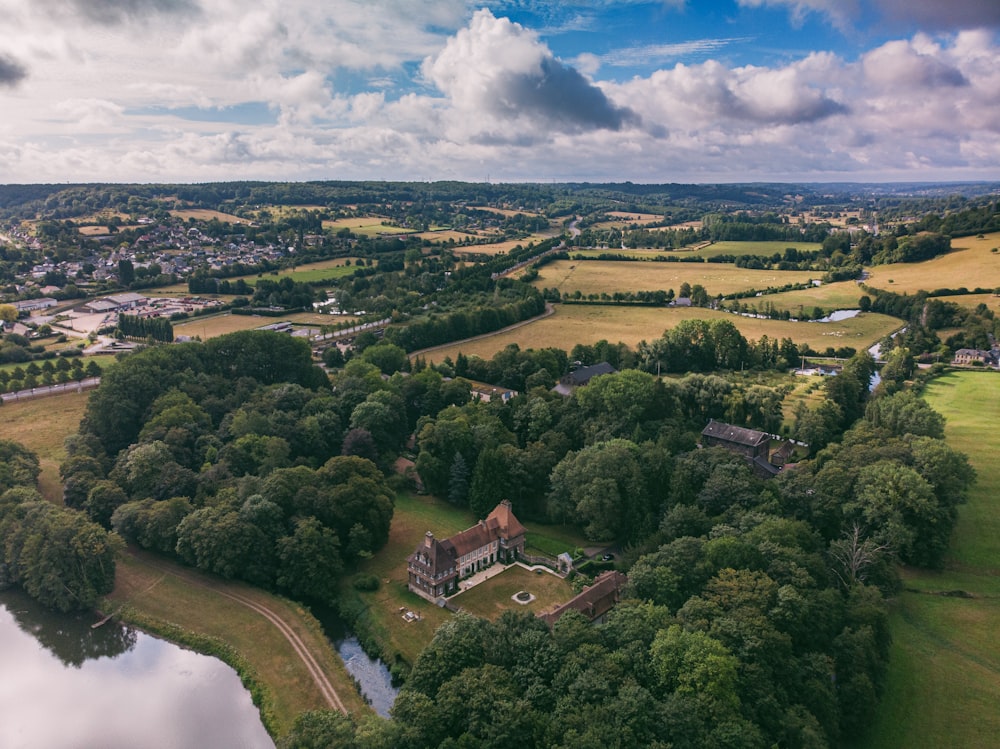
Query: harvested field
(597, 276)
(970, 264)
(203, 214)
(581, 323)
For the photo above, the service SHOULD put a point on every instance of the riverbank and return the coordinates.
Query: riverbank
(277, 663)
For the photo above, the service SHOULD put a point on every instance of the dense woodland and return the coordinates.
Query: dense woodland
(755, 612)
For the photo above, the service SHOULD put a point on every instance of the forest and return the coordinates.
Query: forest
(755, 612)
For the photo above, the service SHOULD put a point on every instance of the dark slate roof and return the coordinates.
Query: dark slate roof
(739, 435)
(583, 375)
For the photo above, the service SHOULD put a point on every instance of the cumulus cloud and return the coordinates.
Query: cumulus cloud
(913, 64)
(12, 72)
(500, 69)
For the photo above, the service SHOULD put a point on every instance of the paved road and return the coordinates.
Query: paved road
(44, 390)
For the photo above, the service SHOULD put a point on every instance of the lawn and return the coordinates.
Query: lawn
(587, 324)
(597, 276)
(971, 263)
(42, 425)
(944, 675)
(491, 598)
(412, 518)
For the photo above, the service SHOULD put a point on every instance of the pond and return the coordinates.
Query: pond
(66, 684)
(840, 314)
(372, 675)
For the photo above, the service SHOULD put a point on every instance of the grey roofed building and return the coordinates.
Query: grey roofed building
(583, 375)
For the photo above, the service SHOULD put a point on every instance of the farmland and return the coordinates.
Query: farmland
(944, 674)
(971, 263)
(596, 277)
(588, 324)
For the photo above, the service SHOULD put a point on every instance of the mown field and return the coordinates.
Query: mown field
(581, 323)
(211, 326)
(367, 226)
(971, 263)
(597, 276)
(830, 297)
(944, 674)
(204, 214)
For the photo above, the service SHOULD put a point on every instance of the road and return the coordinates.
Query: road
(41, 391)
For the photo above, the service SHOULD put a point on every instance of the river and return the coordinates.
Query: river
(64, 684)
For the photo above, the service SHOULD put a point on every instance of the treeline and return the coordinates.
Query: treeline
(56, 555)
(137, 327)
(461, 324)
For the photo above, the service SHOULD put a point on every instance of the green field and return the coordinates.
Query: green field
(492, 598)
(944, 674)
(830, 297)
(582, 323)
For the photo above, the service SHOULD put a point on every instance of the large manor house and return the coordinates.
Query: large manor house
(436, 566)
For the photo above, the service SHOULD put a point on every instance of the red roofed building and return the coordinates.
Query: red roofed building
(594, 601)
(436, 566)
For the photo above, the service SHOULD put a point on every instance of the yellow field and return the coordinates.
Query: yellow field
(216, 325)
(970, 264)
(203, 214)
(596, 276)
(833, 296)
(439, 237)
(495, 248)
(587, 324)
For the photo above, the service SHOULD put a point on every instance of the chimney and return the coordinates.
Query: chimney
(428, 540)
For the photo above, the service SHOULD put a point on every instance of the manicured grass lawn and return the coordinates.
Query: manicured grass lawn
(597, 276)
(493, 597)
(412, 518)
(580, 323)
(944, 674)
(970, 264)
(42, 425)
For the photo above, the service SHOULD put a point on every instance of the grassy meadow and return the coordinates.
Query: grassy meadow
(597, 276)
(944, 674)
(42, 425)
(830, 297)
(971, 263)
(582, 323)
(204, 214)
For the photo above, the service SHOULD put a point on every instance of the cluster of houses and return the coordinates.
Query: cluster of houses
(171, 249)
(971, 357)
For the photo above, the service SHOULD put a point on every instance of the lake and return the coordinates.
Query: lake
(64, 684)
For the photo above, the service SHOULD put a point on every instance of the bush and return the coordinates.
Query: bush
(365, 583)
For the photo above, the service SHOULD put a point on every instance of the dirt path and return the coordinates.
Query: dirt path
(312, 666)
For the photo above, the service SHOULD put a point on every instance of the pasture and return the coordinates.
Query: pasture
(583, 323)
(367, 226)
(597, 276)
(970, 264)
(42, 425)
(829, 297)
(944, 673)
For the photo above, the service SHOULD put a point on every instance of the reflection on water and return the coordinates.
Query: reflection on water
(372, 675)
(68, 637)
(64, 684)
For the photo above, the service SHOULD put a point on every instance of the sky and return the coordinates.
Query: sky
(499, 90)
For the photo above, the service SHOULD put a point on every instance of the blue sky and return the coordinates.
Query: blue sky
(520, 90)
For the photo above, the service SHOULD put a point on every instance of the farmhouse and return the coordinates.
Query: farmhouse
(971, 356)
(435, 567)
(751, 444)
(581, 376)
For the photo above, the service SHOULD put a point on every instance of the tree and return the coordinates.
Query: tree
(8, 313)
(19, 466)
(310, 561)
